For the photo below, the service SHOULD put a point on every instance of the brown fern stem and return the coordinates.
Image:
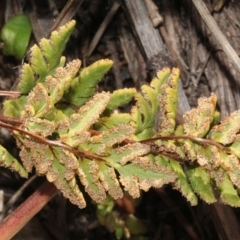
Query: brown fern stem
(191, 138)
(11, 120)
(46, 141)
(28, 209)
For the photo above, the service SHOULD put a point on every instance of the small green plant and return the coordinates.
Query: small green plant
(71, 133)
(15, 35)
(123, 225)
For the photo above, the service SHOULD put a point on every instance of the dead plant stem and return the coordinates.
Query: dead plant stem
(19, 217)
(217, 33)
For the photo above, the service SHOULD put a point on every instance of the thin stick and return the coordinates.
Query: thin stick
(16, 195)
(178, 215)
(103, 26)
(13, 94)
(217, 33)
(18, 219)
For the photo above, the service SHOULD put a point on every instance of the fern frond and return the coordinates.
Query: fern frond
(201, 183)
(64, 179)
(113, 120)
(135, 178)
(73, 135)
(87, 80)
(168, 100)
(120, 97)
(156, 108)
(146, 118)
(101, 143)
(45, 59)
(182, 183)
(86, 116)
(197, 121)
(161, 78)
(27, 80)
(8, 161)
(14, 107)
(228, 192)
(61, 80)
(225, 132)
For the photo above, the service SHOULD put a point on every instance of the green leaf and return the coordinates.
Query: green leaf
(182, 183)
(41, 127)
(127, 153)
(225, 132)
(53, 48)
(90, 112)
(7, 160)
(145, 110)
(38, 103)
(228, 193)
(198, 120)
(135, 178)
(104, 209)
(61, 80)
(207, 156)
(76, 130)
(45, 59)
(136, 120)
(101, 143)
(109, 181)
(105, 123)
(169, 146)
(38, 63)
(14, 107)
(15, 35)
(57, 164)
(235, 146)
(168, 100)
(120, 97)
(189, 149)
(44, 96)
(88, 173)
(201, 183)
(69, 187)
(25, 153)
(84, 86)
(161, 94)
(151, 96)
(135, 226)
(146, 134)
(231, 165)
(29, 80)
(143, 114)
(162, 77)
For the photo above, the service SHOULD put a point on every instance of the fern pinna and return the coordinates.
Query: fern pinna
(71, 133)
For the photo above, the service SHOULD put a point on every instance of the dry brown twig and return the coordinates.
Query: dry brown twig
(217, 33)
